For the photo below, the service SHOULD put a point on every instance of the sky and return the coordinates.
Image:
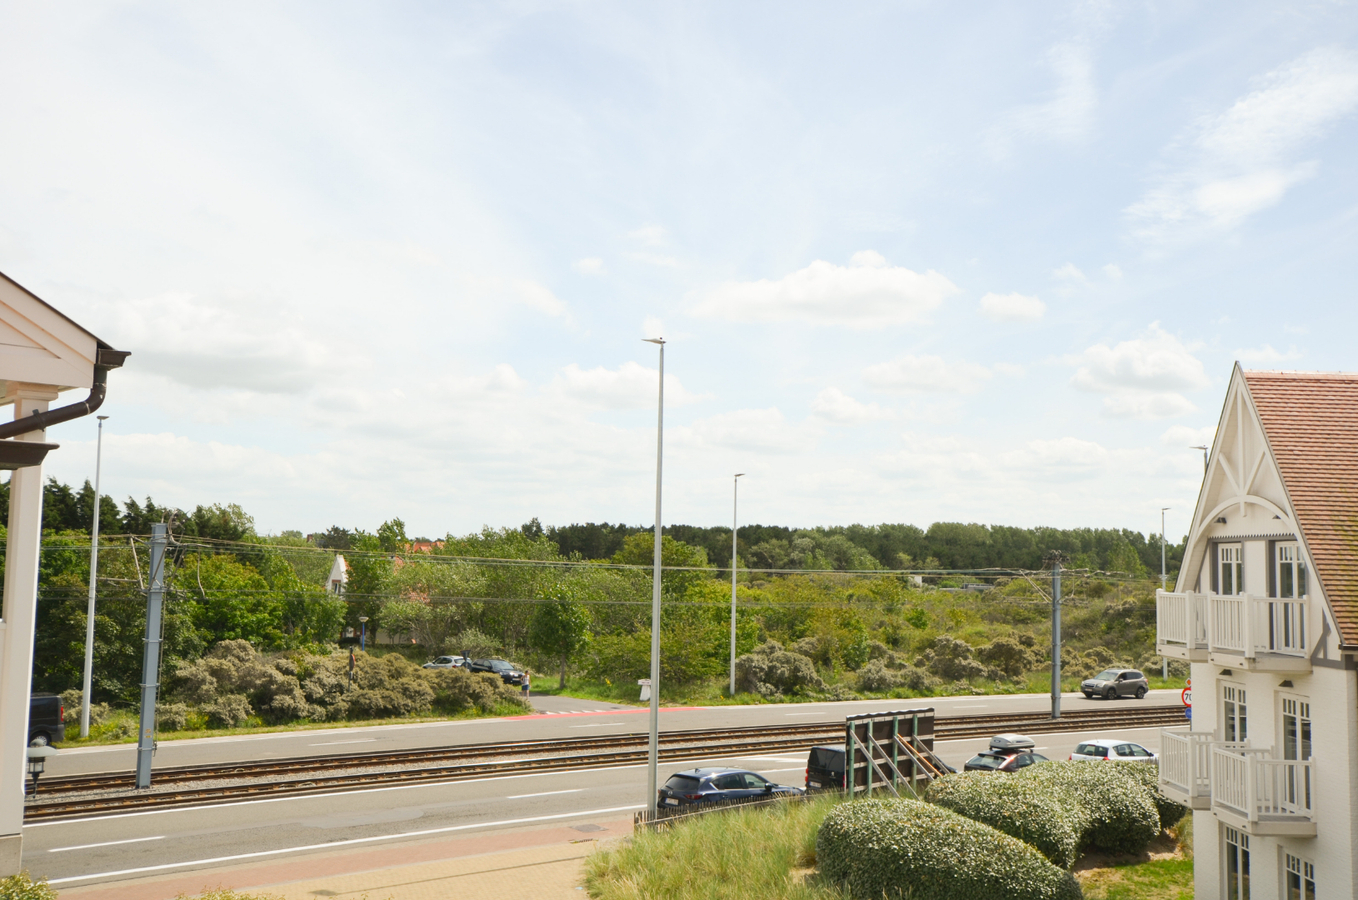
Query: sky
(913, 261)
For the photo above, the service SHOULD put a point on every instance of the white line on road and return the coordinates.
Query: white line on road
(333, 844)
(805, 714)
(335, 743)
(543, 794)
(105, 844)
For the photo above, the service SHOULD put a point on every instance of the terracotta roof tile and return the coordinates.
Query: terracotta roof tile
(1311, 419)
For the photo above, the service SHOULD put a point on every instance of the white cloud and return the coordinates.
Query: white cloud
(1066, 115)
(754, 430)
(1244, 160)
(1113, 271)
(524, 291)
(1266, 354)
(654, 259)
(1009, 370)
(865, 294)
(834, 405)
(650, 236)
(1012, 307)
(590, 265)
(926, 374)
(630, 386)
(1142, 377)
(1065, 455)
(1184, 436)
(1071, 274)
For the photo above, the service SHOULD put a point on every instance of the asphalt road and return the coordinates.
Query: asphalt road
(114, 848)
(557, 717)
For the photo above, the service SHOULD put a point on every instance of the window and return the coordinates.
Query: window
(1297, 745)
(1301, 879)
(1237, 865)
(754, 782)
(1289, 570)
(732, 782)
(1230, 570)
(1234, 720)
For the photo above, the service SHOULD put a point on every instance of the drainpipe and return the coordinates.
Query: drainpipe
(106, 359)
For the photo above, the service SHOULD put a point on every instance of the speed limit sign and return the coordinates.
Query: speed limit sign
(1187, 694)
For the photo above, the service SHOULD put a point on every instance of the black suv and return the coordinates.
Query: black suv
(825, 768)
(1114, 683)
(45, 720)
(506, 670)
(714, 785)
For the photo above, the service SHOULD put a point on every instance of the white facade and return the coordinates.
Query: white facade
(1269, 764)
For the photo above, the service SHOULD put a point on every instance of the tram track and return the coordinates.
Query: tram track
(107, 794)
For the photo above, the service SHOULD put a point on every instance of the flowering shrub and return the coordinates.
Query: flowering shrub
(915, 850)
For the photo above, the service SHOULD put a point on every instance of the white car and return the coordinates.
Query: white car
(446, 662)
(1108, 748)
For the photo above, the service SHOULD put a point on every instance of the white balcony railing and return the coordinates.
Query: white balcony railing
(1181, 620)
(1186, 765)
(1261, 793)
(1247, 626)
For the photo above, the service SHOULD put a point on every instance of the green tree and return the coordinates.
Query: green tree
(560, 626)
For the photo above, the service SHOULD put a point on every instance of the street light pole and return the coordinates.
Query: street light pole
(1163, 575)
(363, 635)
(94, 572)
(653, 746)
(735, 497)
(1204, 448)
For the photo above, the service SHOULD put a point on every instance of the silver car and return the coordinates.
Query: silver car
(1111, 684)
(446, 662)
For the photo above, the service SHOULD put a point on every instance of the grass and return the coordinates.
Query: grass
(1165, 873)
(745, 854)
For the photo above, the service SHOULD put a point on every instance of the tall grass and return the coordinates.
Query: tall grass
(745, 854)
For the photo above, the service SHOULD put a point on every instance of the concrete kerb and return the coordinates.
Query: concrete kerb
(533, 864)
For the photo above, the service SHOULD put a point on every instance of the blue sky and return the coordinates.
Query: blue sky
(915, 261)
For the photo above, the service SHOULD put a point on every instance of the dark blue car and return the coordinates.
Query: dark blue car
(715, 785)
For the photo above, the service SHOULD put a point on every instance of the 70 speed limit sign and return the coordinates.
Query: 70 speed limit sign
(1187, 694)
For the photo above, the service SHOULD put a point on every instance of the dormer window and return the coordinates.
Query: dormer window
(1289, 570)
(1230, 570)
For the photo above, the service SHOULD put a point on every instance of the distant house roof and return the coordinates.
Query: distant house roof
(1311, 419)
(423, 546)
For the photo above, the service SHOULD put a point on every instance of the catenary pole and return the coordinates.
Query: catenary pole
(735, 499)
(94, 574)
(1056, 636)
(1164, 661)
(150, 671)
(653, 746)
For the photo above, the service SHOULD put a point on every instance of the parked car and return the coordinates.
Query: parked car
(447, 662)
(1111, 684)
(825, 768)
(715, 785)
(1007, 753)
(46, 724)
(506, 670)
(1111, 748)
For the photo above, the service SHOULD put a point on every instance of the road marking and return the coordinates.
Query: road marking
(347, 843)
(543, 794)
(771, 758)
(806, 714)
(335, 743)
(105, 844)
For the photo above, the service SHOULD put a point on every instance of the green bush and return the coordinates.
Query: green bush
(1120, 814)
(1149, 778)
(21, 887)
(770, 670)
(906, 848)
(1020, 807)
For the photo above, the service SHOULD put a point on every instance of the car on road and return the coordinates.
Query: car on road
(825, 768)
(1007, 753)
(1111, 684)
(446, 662)
(46, 720)
(1112, 748)
(510, 673)
(716, 785)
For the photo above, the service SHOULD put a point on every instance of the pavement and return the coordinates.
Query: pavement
(542, 864)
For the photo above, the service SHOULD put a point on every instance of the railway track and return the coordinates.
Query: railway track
(105, 794)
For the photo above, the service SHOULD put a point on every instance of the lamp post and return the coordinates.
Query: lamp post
(94, 572)
(653, 746)
(735, 497)
(363, 635)
(1203, 448)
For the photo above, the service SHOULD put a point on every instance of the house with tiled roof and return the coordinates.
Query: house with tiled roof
(1266, 612)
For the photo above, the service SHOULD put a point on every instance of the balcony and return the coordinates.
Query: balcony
(1244, 631)
(1186, 766)
(1260, 795)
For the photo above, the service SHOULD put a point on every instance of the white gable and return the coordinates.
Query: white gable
(40, 346)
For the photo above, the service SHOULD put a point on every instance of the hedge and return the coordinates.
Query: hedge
(1053, 823)
(1149, 777)
(1120, 814)
(907, 848)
